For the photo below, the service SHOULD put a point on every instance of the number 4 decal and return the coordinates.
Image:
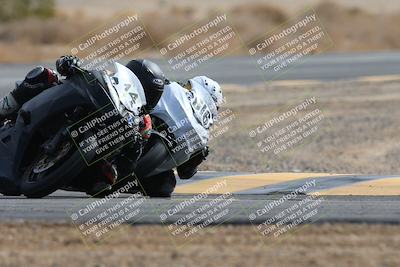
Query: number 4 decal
(127, 86)
(133, 95)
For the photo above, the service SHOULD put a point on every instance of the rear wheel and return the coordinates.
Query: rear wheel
(160, 184)
(155, 155)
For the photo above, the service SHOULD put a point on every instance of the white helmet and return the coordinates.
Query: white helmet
(212, 87)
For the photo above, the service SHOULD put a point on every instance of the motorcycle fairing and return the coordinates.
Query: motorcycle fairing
(175, 109)
(126, 90)
(15, 140)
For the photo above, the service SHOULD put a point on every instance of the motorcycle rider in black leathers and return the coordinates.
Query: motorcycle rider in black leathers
(41, 78)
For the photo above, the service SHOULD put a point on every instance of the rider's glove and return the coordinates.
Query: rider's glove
(65, 65)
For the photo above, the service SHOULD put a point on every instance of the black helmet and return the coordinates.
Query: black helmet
(152, 79)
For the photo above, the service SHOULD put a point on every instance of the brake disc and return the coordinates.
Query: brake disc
(46, 162)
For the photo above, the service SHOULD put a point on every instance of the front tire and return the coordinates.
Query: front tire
(38, 185)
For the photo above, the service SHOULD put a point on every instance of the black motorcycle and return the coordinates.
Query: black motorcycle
(59, 133)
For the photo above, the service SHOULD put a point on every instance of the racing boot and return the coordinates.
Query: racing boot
(105, 177)
(188, 169)
(95, 181)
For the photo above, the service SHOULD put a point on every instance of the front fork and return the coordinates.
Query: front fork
(53, 144)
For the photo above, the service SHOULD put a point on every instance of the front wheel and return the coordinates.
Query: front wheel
(47, 173)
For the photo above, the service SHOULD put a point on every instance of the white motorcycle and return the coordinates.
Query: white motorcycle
(181, 123)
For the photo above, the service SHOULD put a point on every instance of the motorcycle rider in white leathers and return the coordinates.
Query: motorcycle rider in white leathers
(188, 169)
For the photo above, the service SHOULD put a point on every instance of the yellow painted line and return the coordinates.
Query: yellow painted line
(380, 78)
(372, 78)
(236, 183)
(304, 82)
(295, 82)
(381, 187)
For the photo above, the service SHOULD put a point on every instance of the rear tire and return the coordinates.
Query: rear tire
(160, 185)
(156, 155)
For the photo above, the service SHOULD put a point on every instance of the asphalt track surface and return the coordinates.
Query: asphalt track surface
(243, 70)
(337, 206)
(380, 208)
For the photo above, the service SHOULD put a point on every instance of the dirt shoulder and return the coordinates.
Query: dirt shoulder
(34, 244)
(352, 27)
(358, 134)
